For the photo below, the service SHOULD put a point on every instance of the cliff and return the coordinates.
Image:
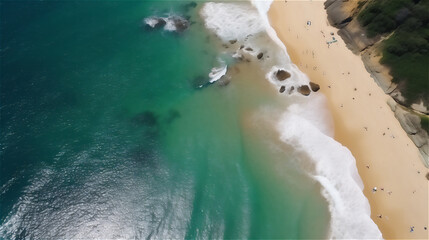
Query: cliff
(343, 15)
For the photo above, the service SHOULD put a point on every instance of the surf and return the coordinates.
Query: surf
(305, 124)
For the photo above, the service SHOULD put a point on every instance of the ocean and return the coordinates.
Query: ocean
(160, 119)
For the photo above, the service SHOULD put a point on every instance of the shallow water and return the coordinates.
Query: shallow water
(106, 133)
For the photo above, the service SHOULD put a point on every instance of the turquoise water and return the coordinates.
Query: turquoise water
(105, 134)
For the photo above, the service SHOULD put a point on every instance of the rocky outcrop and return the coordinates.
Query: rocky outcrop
(171, 23)
(411, 123)
(282, 75)
(314, 87)
(260, 55)
(420, 107)
(304, 90)
(342, 14)
(338, 17)
(181, 24)
(189, 6)
(378, 72)
(154, 22)
(282, 89)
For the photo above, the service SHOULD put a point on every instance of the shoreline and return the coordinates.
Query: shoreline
(385, 156)
(342, 15)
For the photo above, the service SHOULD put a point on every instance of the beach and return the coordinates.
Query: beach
(176, 119)
(388, 162)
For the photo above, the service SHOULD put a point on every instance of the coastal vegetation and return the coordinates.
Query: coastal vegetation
(425, 122)
(405, 23)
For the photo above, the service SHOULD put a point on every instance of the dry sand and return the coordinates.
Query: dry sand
(386, 158)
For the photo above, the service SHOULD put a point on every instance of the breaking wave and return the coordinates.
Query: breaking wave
(306, 124)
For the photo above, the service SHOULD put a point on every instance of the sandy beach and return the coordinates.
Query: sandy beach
(385, 156)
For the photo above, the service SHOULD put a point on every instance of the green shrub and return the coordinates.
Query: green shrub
(406, 51)
(425, 122)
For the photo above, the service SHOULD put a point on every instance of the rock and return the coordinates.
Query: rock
(233, 41)
(172, 115)
(419, 140)
(392, 104)
(154, 22)
(282, 75)
(146, 118)
(249, 49)
(190, 5)
(337, 16)
(242, 46)
(175, 23)
(160, 24)
(304, 90)
(224, 81)
(180, 23)
(260, 55)
(397, 95)
(282, 89)
(314, 87)
(409, 122)
(355, 37)
(420, 107)
(291, 89)
(238, 56)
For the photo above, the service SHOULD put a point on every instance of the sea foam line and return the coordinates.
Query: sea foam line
(305, 125)
(335, 165)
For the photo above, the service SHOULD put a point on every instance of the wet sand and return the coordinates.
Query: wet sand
(386, 158)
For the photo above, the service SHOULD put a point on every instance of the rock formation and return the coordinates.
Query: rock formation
(282, 75)
(314, 87)
(304, 90)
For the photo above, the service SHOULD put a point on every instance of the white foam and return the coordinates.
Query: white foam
(263, 7)
(170, 22)
(151, 21)
(218, 72)
(306, 124)
(232, 20)
(335, 170)
(335, 166)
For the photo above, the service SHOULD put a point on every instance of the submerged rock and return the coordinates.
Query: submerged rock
(291, 89)
(282, 89)
(314, 87)
(154, 22)
(181, 24)
(190, 5)
(233, 41)
(304, 90)
(249, 49)
(146, 118)
(172, 115)
(224, 81)
(260, 55)
(282, 75)
(172, 23)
